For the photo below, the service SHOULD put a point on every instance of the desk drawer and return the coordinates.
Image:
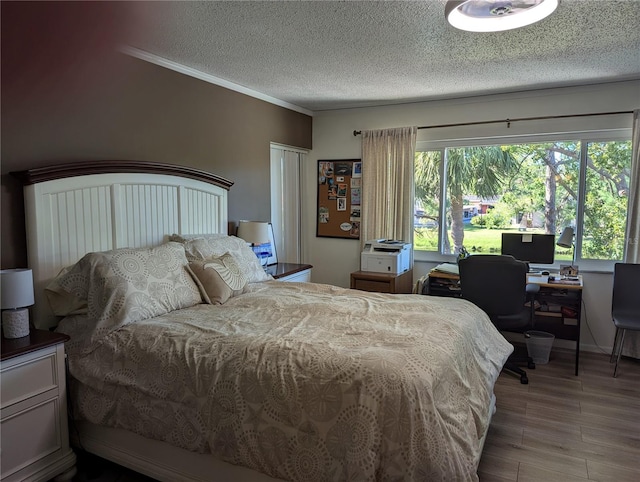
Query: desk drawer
(27, 376)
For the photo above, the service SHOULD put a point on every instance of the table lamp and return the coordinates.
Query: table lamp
(255, 233)
(566, 241)
(17, 295)
(566, 238)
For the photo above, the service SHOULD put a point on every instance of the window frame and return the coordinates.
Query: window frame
(585, 137)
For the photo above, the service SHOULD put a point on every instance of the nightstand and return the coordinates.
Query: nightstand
(382, 282)
(33, 406)
(290, 272)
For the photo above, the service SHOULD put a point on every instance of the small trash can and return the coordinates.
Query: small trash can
(539, 345)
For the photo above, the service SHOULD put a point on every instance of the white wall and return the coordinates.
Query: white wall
(334, 259)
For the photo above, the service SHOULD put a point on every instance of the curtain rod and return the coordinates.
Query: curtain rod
(519, 119)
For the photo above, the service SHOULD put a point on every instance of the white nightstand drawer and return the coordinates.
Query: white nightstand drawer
(290, 272)
(23, 377)
(302, 276)
(29, 436)
(34, 436)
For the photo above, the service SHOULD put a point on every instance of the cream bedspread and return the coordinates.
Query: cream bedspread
(302, 381)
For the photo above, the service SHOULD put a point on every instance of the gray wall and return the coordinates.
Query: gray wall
(69, 95)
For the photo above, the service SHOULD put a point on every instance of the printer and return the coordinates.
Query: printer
(386, 256)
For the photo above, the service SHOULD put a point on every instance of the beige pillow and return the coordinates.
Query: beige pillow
(214, 245)
(219, 278)
(125, 285)
(71, 300)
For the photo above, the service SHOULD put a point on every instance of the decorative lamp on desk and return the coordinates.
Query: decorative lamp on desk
(17, 296)
(566, 239)
(255, 233)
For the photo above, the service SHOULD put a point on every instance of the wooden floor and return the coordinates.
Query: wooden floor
(559, 427)
(565, 428)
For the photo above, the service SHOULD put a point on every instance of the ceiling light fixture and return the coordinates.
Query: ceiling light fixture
(496, 15)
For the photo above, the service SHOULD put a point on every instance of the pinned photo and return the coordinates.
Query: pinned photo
(323, 215)
(355, 196)
(325, 172)
(357, 169)
(355, 213)
(342, 168)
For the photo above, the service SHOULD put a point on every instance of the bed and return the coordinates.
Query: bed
(180, 376)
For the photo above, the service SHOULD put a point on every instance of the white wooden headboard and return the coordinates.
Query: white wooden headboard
(82, 207)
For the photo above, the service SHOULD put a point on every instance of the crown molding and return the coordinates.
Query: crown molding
(212, 79)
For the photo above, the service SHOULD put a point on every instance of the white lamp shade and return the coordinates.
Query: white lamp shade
(17, 288)
(254, 232)
(489, 16)
(566, 238)
(17, 293)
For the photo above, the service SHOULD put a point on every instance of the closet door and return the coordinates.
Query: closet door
(286, 202)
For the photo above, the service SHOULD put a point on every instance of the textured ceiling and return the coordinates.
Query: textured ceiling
(328, 55)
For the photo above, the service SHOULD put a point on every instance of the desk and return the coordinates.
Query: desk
(558, 306)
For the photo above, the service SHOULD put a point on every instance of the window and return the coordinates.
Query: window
(606, 194)
(467, 196)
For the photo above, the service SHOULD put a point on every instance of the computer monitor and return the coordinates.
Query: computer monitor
(531, 248)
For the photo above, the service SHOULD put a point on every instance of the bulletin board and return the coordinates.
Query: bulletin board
(339, 194)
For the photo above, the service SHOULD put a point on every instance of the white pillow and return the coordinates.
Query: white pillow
(215, 245)
(123, 286)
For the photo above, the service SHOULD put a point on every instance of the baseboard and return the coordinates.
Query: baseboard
(563, 344)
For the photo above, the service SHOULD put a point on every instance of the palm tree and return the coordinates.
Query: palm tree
(469, 170)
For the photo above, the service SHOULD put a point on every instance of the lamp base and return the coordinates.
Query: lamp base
(15, 323)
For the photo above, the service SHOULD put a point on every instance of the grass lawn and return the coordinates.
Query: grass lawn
(476, 240)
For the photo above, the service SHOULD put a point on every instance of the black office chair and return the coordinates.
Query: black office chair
(625, 305)
(498, 285)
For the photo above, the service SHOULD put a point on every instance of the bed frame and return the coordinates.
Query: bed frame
(73, 209)
(76, 208)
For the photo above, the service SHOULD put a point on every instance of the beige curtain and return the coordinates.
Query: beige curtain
(387, 184)
(632, 252)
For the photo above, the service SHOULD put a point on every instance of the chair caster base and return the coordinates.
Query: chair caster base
(524, 380)
(531, 365)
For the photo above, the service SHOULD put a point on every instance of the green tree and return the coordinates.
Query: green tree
(427, 179)
(547, 180)
(605, 208)
(535, 178)
(499, 217)
(607, 181)
(480, 171)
